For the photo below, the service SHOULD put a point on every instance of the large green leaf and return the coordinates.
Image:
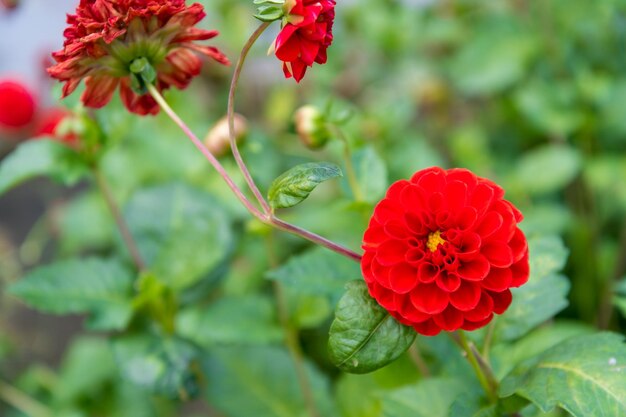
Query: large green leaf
(165, 366)
(231, 320)
(429, 398)
(317, 271)
(295, 185)
(183, 233)
(548, 169)
(40, 157)
(102, 288)
(261, 381)
(363, 336)
(584, 375)
(543, 296)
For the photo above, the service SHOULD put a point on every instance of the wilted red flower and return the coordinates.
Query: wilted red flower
(48, 122)
(17, 105)
(9, 4)
(106, 37)
(442, 251)
(305, 36)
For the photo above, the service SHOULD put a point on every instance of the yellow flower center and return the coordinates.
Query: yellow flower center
(434, 240)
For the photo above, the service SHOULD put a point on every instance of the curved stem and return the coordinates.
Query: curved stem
(203, 149)
(127, 237)
(231, 117)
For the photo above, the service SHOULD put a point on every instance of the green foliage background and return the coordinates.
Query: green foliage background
(528, 93)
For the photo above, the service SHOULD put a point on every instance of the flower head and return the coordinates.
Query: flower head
(125, 42)
(443, 250)
(17, 105)
(49, 123)
(305, 35)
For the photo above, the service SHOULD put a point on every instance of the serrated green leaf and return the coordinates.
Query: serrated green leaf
(295, 185)
(429, 398)
(317, 272)
(543, 296)
(584, 375)
(183, 233)
(40, 157)
(261, 381)
(371, 172)
(363, 336)
(159, 365)
(102, 288)
(231, 320)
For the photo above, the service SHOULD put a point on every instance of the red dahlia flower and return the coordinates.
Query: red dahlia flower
(106, 37)
(17, 105)
(305, 35)
(442, 251)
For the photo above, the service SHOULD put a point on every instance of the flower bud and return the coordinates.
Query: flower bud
(57, 123)
(311, 127)
(217, 140)
(17, 105)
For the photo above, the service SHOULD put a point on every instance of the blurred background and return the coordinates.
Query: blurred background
(531, 94)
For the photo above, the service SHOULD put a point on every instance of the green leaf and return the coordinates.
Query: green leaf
(269, 13)
(102, 288)
(85, 223)
(231, 320)
(584, 375)
(429, 398)
(548, 169)
(40, 157)
(356, 396)
(295, 185)
(543, 296)
(183, 233)
(363, 336)
(371, 172)
(473, 405)
(317, 272)
(164, 366)
(261, 381)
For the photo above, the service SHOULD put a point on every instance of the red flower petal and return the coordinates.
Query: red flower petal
(427, 328)
(475, 269)
(466, 297)
(402, 278)
(501, 301)
(498, 254)
(429, 298)
(450, 319)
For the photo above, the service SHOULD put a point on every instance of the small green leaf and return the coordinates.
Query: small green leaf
(269, 13)
(473, 405)
(41, 157)
(584, 375)
(548, 169)
(371, 173)
(102, 288)
(363, 336)
(543, 296)
(429, 398)
(159, 365)
(295, 185)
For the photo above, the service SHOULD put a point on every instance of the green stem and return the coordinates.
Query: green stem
(418, 359)
(127, 237)
(22, 402)
(489, 338)
(480, 366)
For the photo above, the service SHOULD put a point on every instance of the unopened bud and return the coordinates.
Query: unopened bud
(217, 140)
(311, 127)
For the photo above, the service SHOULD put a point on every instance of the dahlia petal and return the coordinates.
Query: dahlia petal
(466, 218)
(70, 86)
(287, 46)
(482, 197)
(195, 34)
(455, 194)
(142, 105)
(475, 269)
(490, 224)
(449, 320)
(396, 230)
(98, 90)
(417, 177)
(498, 254)
(469, 245)
(412, 196)
(473, 325)
(520, 271)
(427, 272)
(383, 296)
(403, 320)
(391, 252)
(409, 313)
(483, 309)
(499, 279)
(415, 255)
(427, 328)
(374, 236)
(429, 298)
(519, 245)
(402, 278)
(466, 297)
(387, 210)
(464, 176)
(501, 301)
(396, 190)
(380, 273)
(435, 202)
(448, 282)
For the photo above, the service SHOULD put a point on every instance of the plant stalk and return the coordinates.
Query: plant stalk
(127, 237)
(22, 402)
(480, 366)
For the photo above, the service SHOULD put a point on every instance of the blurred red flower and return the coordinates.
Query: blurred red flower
(17, 105)
(305, 35)
(442, 251)
(48, 122)
(105, 37)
